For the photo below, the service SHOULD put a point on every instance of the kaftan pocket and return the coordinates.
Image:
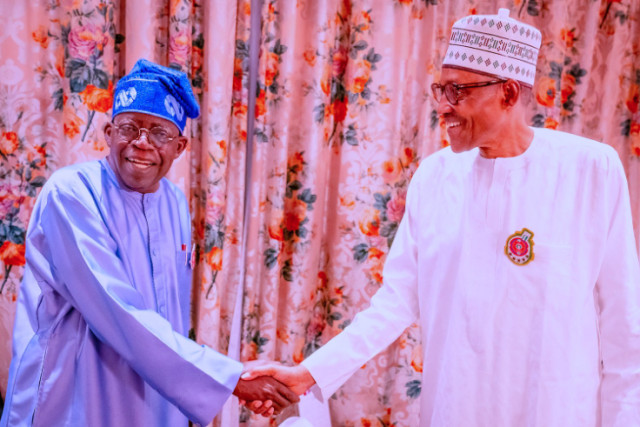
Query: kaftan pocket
(184, 276)
(544, 282)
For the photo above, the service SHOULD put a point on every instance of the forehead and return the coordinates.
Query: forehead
(455, 75)
(144, 120)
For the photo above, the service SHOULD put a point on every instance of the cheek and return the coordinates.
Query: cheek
(116, 149)
(166, 160)
(170, 155)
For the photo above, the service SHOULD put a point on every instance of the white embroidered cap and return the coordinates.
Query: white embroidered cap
(495, 45)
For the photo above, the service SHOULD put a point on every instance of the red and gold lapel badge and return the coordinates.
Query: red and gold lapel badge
(519, 247)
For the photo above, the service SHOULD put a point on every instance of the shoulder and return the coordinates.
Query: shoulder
(72, 173)
(445, 162)
(173, 199)
(568, 148)
(172, 191)
(74, 179)
(70, 188)
(441, 170)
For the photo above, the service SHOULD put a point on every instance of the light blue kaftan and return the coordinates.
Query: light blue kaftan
(103, 311)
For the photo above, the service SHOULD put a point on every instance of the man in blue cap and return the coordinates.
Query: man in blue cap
(103, 311)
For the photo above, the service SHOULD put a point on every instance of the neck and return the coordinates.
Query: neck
(514, 139)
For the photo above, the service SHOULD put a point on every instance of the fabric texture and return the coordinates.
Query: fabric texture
(554, 342)
(103, 313)
(496, 45)
(160, 91)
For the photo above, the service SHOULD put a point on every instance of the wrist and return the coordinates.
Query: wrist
(237, 386)
(305, 377)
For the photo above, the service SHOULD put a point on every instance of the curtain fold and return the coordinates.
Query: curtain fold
(218, 202)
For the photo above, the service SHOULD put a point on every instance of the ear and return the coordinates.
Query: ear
(182, 145)
(510, 92)
(108, 133)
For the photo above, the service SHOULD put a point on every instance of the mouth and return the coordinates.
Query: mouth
(453, 125)
(140, 163)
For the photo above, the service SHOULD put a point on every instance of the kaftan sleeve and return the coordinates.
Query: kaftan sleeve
(393, 308)
(88, 274)
(618, 297)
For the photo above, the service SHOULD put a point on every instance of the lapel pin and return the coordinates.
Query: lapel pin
(519, 247)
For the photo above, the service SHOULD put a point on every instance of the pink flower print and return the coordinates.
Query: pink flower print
(395, 207)
(339, 61)
(84, 40)
(391, 171)
(214, 209)
(7, 199)
(316, 326)
(179, 48)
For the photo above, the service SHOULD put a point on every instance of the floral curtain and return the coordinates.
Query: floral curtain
(343, 115)
(60, 60)
(56, 86)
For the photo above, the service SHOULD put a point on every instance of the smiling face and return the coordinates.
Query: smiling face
(138, 164)
(476, 120)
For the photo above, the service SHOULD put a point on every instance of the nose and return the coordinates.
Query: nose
(142, 141)
(444, 107)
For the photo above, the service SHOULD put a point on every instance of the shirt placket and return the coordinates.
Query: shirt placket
(496, 205)
(496, 194)
(156, 252)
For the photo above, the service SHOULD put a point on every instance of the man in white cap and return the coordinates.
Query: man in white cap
(516, 253)
(103, 310)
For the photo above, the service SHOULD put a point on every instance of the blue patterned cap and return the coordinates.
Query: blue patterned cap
(160, 91)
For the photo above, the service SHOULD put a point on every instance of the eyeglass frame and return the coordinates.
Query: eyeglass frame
(140, 129)
(435, 87)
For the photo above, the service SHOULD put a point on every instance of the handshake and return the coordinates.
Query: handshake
(268, 387)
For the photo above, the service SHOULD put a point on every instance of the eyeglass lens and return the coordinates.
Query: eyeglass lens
(157, 135)
(449, 90)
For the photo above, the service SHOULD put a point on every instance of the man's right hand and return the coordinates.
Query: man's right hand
(297, 378)
(265, 389)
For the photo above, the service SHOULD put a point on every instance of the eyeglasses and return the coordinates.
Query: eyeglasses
(157, 135)
(452, 90)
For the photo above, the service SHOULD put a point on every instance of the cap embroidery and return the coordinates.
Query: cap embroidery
(495, 44)
(124, 98)
(173, 107)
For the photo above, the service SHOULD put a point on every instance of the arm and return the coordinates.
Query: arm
(393, 308)
(89, 275)
(618, 297)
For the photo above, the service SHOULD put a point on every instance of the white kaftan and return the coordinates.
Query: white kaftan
(553, 342)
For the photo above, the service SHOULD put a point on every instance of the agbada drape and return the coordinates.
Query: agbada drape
(60, 60)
